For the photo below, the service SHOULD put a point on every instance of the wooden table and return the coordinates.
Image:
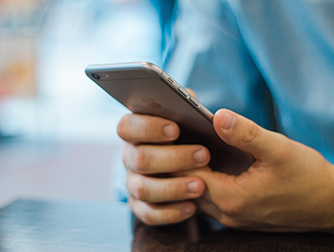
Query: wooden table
(45, 225)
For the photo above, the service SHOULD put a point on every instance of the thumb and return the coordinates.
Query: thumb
(244, 134)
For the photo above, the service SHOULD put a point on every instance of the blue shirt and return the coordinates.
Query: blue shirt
(269, 60)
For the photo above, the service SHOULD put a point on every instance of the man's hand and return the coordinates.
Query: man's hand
(149, 152)
(290, 187)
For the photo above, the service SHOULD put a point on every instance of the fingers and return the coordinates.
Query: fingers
(244, 134)
(152, 159)
(143, 128)
(158, 214)
(156, 190)
(192, 92)
(219, 186)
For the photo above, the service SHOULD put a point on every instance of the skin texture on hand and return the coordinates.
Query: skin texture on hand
(159, 200)
(289, 187)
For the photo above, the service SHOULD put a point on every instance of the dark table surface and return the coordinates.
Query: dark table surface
(45, 225)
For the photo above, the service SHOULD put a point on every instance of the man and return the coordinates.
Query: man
(271, 62)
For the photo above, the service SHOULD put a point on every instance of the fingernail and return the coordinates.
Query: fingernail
(200, 156)
(192, 187)
(170, 131)
(187, 210)
(228, 120)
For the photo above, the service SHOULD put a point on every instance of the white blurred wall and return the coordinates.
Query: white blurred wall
(68, 106)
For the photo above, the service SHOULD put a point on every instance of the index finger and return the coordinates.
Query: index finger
(135, 128)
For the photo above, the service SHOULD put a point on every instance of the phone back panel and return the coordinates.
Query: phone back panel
(144, 89)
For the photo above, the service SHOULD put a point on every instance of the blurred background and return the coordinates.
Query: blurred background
(57, 128)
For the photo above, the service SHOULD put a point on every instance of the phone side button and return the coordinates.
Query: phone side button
(194, 102)
(183, 91)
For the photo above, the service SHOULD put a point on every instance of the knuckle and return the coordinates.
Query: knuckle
(147, 218)
(141, 211)
(139, 160)
(141, 192)
(250, 133)
(137, 188)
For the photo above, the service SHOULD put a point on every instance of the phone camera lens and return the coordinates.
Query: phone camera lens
(96, 76)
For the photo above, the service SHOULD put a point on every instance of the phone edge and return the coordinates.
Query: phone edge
(158, 72)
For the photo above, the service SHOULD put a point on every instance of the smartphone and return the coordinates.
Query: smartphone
(144, 88)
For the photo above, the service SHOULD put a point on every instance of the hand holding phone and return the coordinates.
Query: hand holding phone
(236, 201)
(170, 129)
(146, 89)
